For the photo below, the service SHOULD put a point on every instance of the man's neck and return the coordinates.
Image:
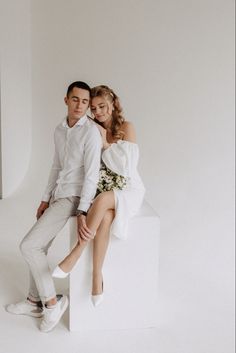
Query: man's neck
(71, 121)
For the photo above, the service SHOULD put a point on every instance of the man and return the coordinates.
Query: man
(71, 187)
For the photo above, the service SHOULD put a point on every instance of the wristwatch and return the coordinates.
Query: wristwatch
(79, 212)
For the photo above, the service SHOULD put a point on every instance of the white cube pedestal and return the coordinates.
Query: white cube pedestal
(130, 275)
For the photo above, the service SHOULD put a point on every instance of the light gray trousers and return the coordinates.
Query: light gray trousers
(34, 247)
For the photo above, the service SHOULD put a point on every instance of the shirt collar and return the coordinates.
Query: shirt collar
(80, 122)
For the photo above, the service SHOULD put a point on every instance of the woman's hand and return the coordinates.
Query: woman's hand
(103, 133)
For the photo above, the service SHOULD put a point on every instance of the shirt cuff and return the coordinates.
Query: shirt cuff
(83, 206)
(46, 197)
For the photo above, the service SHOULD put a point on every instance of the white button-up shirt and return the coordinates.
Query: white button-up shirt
(76, 163)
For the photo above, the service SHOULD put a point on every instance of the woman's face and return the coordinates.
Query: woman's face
(101, 109)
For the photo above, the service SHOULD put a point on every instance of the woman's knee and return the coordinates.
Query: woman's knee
(105, 199)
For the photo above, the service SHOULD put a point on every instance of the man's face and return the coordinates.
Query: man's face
(77, 103)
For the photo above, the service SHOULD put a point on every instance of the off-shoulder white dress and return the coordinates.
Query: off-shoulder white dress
(122, 158)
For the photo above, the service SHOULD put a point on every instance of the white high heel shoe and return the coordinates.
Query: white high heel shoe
(98, 299)
(59, 273)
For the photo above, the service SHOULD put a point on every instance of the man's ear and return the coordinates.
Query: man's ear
(66, 100)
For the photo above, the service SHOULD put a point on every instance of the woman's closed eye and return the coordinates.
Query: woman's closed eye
(93, 109)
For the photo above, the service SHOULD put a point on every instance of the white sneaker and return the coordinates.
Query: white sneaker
(25, 308)
(52, 315)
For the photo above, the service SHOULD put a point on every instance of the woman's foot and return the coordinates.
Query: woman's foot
(66, 266)
(97, 291)
(59, 273)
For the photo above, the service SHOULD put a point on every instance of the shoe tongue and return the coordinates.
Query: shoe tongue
(50, 306)
(36, 311)
(59, 296)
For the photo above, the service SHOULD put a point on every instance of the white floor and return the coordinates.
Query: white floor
(192, 316)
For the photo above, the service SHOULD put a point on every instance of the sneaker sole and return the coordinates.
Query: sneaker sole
(25, 314)
(65, 305)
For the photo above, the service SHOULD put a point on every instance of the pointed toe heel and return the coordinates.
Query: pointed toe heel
(59, 273)
(97, 299)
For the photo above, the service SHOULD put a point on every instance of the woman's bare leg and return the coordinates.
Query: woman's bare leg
(100, 244)
(70, 260)
(103, 202)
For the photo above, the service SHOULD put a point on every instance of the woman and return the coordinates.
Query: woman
(118, 175)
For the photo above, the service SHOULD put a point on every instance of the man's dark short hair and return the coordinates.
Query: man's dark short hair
(78, 84)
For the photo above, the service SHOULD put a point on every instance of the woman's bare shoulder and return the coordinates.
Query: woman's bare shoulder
(129, 131)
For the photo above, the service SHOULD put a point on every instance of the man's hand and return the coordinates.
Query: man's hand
(42, 207)
(83, 231)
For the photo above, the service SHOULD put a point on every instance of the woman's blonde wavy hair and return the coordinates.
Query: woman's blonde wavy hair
(117, 113)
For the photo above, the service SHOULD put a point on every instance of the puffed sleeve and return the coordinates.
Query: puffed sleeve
(122, 157)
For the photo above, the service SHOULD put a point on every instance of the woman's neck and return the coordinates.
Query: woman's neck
(107, 124)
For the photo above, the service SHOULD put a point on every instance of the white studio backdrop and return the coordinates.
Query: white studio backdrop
(15, 93)
(172, 64)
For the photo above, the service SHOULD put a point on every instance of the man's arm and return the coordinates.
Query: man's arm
(92, 160)
(53, 176)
